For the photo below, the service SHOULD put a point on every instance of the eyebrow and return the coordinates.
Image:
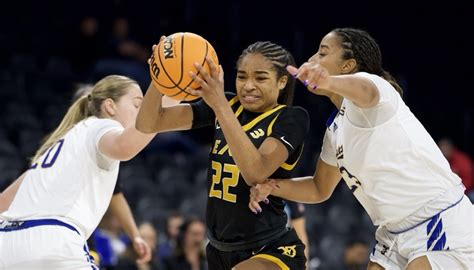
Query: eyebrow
(322, 46)
(264, 72)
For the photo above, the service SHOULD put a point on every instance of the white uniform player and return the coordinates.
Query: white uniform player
(61, 199)
(71, 183)
(403, 182)
(387, 159)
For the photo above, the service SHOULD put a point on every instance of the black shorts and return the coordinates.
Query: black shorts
(286, 252)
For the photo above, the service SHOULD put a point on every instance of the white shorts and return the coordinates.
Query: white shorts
(447, 240)
(43, 247)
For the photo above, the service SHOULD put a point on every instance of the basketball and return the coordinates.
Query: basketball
(173, 58)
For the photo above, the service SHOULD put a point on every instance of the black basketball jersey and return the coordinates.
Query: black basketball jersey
(228, 217)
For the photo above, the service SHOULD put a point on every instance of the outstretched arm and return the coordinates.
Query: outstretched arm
(315, 189)
(361, 91)
(158, 113)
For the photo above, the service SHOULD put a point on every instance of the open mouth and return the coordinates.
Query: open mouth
(250, 98)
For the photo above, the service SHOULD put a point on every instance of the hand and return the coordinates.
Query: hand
(142, 249)
(259, 193)
(211, 84)
(313, 76)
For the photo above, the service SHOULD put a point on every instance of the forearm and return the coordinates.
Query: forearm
(246, 156)
(150, 111)
(130, 142)
(120, 209)
(359, 90)
(302, 189)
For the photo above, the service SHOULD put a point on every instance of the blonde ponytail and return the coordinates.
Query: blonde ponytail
(77, 112)
(112, 86)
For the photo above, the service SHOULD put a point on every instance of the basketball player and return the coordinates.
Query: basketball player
(386, 157)
(60, 200)
(257, 135)
(119, 206)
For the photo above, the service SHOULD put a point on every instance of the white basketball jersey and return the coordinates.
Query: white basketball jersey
(72, 181)
(388, 160)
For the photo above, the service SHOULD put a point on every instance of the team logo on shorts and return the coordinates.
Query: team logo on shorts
(289, 251)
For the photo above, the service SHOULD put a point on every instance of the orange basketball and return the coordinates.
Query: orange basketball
(173, 58)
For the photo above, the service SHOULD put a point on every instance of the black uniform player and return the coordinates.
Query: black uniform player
(257, 136)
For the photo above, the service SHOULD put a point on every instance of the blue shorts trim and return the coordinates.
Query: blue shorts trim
(22, 225)
(431, 218)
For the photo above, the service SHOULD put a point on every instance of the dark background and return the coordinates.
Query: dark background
(425, 45)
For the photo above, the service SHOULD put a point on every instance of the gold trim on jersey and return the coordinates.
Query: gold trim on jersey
(233, 100)
(290, 167)
(239, 111)
(255, 121)
(273, 259)
(270, 127)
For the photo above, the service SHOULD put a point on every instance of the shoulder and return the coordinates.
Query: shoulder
(379, 82)
(296, 112)
(94, 121)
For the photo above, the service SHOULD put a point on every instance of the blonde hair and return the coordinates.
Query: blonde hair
(112, 86)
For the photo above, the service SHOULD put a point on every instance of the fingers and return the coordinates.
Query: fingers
(255, 207)
(214, 69)
(221, 73)
(202, 72)
(308, 73)
(196, 92)
(198, 79)
(292, 70)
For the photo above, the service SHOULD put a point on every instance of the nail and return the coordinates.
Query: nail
(266, 201)
(259, 210)
(306, 82)
(315, 87)
(295, 75)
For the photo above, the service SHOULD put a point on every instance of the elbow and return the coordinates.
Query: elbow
(143, 128)
(253, 179)
(321, 198)
(370, 96)
(125, 152)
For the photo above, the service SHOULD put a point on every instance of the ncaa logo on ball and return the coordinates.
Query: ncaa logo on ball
(168, 48)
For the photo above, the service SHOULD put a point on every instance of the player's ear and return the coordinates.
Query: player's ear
(349, 66)
(108, 107)
(282, 82)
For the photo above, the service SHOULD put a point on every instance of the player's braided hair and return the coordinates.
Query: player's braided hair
(359, 45)
(280, 58)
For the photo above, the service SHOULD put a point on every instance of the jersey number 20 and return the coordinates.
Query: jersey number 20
(51, 155)
(227, 182)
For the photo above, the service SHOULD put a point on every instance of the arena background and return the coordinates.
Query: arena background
(44, 57)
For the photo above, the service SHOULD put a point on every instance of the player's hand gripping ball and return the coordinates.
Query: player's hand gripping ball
(173, 58)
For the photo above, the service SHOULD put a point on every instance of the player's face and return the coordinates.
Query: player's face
(329, 54)
(257, 83)
(128, 105)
